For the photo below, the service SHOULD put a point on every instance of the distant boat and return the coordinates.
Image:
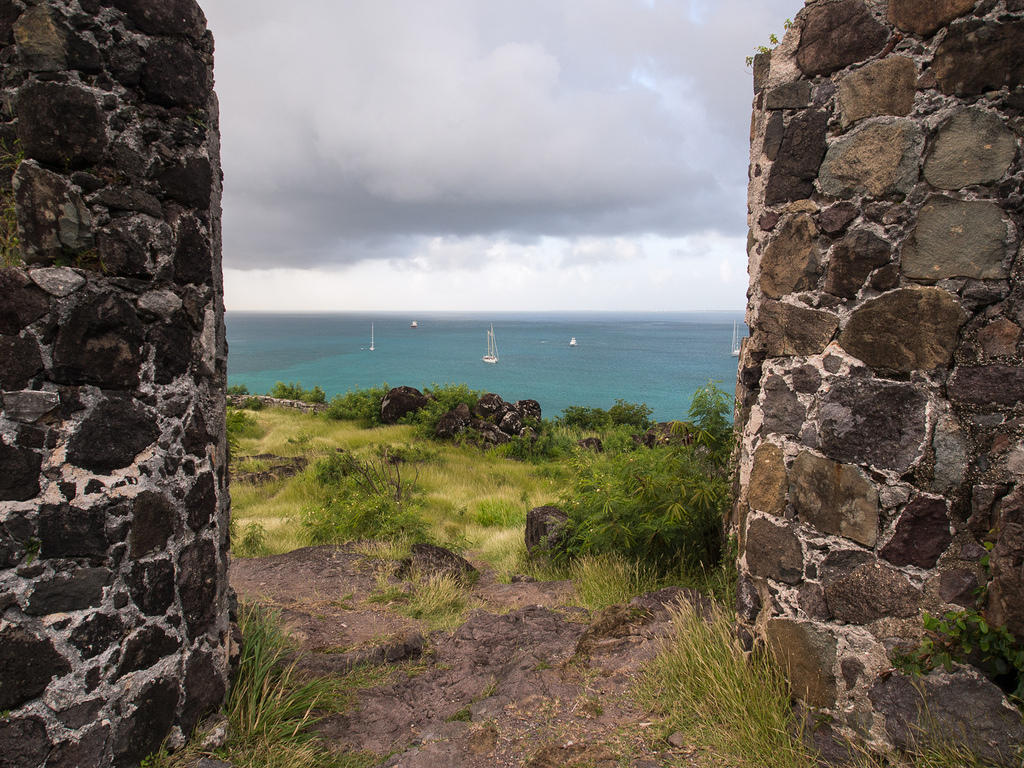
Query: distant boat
(371, 337)
(414, 324)
(492, 347)
(735, 341)
(572, 342)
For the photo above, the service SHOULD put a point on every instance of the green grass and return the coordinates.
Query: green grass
(439, 600)
(737, 708)
(608, 579)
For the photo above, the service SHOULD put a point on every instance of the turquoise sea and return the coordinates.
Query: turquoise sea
(656, 358)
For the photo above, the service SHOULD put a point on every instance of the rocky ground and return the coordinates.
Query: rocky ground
(527, 679)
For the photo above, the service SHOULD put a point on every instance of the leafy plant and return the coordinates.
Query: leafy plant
(253, 542)
(295, 391)
(630, 414)
(361, 405)
(239, 424)
(965, 637)
(444, 398)
(773, 40)
(238, 389)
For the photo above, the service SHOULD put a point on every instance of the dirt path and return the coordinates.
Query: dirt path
(526, 680)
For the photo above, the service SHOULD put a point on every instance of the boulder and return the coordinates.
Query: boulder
(923, 17)
(528, 409)
(591, 444)
(450, 425)
(511, 423)
(401, 401)
(961, 704)
(431, 560)
(545, 527)
(489, 434)
(489, 405)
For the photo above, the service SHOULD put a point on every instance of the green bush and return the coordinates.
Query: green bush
(239, 424)
(587, 419)
(630, 414)
(360, 405)
(294, 391)
(551, 441)
(497, 513)
(662, 506)
(238, 389)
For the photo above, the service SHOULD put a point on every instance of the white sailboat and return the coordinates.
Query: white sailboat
(492, 347)
(572, 342)
(414, 324)
(371, 337)
(735, 341)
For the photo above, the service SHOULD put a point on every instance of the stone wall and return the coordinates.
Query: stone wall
(881, 392)
(113, 497)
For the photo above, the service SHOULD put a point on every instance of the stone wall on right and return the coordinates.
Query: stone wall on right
(881, 392)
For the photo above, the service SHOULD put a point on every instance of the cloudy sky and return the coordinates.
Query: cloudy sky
(486, 154)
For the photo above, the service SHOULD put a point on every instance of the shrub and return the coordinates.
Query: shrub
(238, 389)
(254, 541)
(239, 424)
(630, 414)
(588, 419)
(294, 391)
(444, 398)
(360, 405)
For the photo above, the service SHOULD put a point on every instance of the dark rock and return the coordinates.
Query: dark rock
(97, 633)
(962, 704)
(53, 219)
(198, 577)
(112, 435)
(29, 406)
(189, 182)
(85, 749)
(126, 246)
(151, 584)
(83, 713)
(972, 147)
(958, 587)
(99, 343)
(204, 688)
(766, 490)
(450, 425)
(748, 601)
(790, 262)
(144, 648)
(489, 406)
(511, 423)
(23, 742)
(27, 665)
(796, 95)
(791, 330)
(68, 591)
(545, 528)
(762, 67)
(174, 74)
(834, 498)
(783, 413)
(1004, 590)
(799, 157)
(488, 434)
(853, 259)
(19, 472)
(20, 361)
(840, 563)
(201, 502)
(905, 330)
(956, 238)
(528, 410)
(591, 444)
(21, 302)
(836, 218)
(988, 384)
(806, 379)
(151, 716)
(871, 592)
(60, 124)
(834, 35)
(874, 423)
(197, 435)
(812, 601)
(777, 553)
(807, 651)
(193, 257)
(173, 346)
(978, 56)
(774, 132)
(431, 560)
(154, 519)
(921, 535)
(169, 17)
(923, 17)
(133, 200)
(41, 40)
(66, 531)
(401, 401)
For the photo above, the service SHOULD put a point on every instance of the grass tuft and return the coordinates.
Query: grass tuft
(610, 579)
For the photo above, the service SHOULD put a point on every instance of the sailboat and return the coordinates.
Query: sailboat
(735, 341)
(414, 324)
(371, 337)
(572, 342)
(492, 347)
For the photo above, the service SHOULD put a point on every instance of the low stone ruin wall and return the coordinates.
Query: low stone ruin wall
(113, 496)
(881, 392)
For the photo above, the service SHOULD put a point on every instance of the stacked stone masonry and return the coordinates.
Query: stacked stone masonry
(113, 495)
(881, 391)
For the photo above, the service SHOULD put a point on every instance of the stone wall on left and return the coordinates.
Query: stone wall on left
(113, 489)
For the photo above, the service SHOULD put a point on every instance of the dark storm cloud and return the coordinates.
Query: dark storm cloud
(352, 128)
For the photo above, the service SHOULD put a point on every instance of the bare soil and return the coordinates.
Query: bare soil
(528, 679)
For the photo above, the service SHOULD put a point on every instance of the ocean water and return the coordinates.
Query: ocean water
(658, 358)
